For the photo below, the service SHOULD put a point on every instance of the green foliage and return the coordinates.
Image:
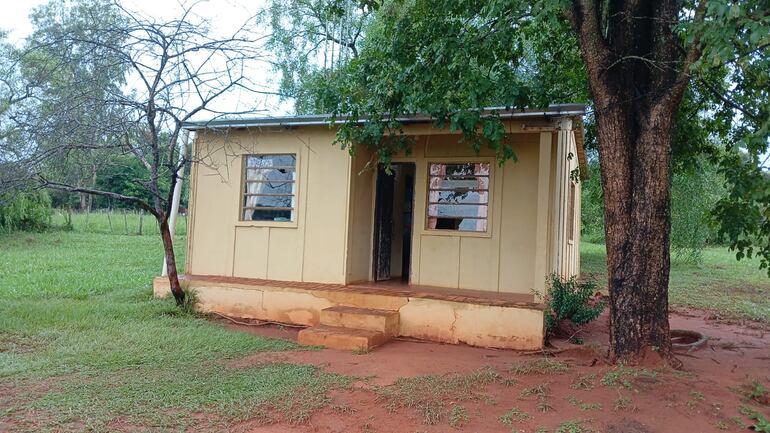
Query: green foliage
(451, 59)
(122, 174)
(449, 65)
(25, 210)
(190, 305)
(696, 187)
(569, 299)
(694, 192)
(736, 47)
(592, 205)
(70, 79)
(742, 215)
(728, 288)
(311, 38)
(762, 424)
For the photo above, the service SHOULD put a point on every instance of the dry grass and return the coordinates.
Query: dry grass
(539, 366)
(433, 396)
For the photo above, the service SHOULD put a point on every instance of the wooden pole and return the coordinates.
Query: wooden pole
(185, 136)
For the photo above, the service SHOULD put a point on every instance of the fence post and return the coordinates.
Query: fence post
(141, 217)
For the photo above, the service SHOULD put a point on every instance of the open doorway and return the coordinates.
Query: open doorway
(393, 216)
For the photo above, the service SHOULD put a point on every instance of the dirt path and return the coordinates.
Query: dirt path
(705, 397)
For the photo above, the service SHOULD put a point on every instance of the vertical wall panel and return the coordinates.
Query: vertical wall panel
(250, 257)
(439, 261)
(326, 201)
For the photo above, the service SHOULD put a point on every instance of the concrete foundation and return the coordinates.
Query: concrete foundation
(434, 315)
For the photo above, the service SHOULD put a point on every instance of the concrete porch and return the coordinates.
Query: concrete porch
(477, 318)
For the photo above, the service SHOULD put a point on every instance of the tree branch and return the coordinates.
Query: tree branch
(124, 198)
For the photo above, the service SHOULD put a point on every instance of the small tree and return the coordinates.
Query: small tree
(173, 70)
(570, 300)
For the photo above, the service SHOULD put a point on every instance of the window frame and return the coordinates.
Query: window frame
(293, 223)
(490, 198)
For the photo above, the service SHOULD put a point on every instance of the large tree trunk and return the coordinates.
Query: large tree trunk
(636, 179)
(631, 55)
(168, 248)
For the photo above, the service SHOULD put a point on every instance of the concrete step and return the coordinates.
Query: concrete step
(335, 337)
(370, 319)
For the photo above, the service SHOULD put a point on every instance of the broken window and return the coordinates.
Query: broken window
(458, 196)
(269, 187)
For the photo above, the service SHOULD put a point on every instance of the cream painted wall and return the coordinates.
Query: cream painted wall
(311, 248)
(361, 217)
(564, 253)
(330, 240)
(501, 259)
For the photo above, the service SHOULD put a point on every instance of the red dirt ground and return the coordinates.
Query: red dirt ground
(705, 398)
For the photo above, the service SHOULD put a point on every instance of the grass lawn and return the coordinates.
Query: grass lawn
(126, 222)
(84, 346)
(730, 288)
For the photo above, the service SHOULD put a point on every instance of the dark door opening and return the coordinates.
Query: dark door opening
(393, 207)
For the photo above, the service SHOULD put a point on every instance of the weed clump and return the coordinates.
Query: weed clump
(539, 366)
(570, 301)
(514, 414)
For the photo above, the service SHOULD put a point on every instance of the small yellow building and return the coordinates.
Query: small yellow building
(448, 246)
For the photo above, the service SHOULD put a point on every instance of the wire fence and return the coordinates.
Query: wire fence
(114, 221)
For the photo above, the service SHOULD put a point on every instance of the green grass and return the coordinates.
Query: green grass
(84, 345)
(123, 222)
(720, 283)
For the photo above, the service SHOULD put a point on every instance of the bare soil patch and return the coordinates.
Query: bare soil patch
(575, 390)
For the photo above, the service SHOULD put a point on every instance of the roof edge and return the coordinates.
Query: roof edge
(553, 110)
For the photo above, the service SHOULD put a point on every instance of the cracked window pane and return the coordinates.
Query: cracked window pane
(269, 187)
(458, 196)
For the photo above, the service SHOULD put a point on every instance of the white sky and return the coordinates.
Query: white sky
(223, 13)
(225, 16)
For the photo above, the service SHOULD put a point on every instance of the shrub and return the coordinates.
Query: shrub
(26, 210)
(570, 300)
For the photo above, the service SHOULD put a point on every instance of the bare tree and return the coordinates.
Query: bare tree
(174, 70)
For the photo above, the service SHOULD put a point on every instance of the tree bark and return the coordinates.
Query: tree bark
(631, 55)
(168, 249)
(637, 228)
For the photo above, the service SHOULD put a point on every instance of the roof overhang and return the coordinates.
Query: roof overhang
(575, 111)
(553, 111)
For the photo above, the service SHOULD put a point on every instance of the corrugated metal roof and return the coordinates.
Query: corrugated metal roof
(554, 110)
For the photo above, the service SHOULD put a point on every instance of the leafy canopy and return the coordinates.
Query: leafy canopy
(451, 59)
